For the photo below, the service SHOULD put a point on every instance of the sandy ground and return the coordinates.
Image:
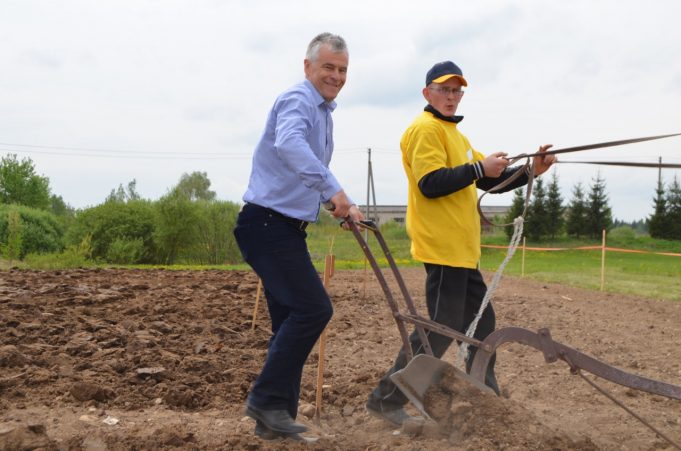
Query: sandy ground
(132, 359)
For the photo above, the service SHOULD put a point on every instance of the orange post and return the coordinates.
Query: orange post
(522, 265)
(603, 262)
(328, 273)
(257, 300)
(364, 283)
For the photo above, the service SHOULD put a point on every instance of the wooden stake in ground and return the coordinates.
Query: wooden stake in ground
(364, 283)
(329, 263)
(603, 262)
(257, 301)
(522, 266)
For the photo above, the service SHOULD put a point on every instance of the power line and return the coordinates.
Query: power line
(89, 149)
(136, 157)
(117, 153)
(71, 151)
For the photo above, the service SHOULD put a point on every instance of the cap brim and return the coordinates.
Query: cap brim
(444, 78)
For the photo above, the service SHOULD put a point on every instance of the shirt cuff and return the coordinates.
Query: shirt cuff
(330, 188)
(478, 171)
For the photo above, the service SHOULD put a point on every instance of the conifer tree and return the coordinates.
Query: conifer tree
(674, 210)
(658, 224)
(537, 218)
(517, 207)
(554, 209)
(576, 219)
(599, 213)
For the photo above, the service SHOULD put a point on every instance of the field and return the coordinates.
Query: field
(115, 359)
(645, 274)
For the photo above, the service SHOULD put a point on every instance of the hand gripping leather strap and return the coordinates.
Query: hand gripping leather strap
(529, 168)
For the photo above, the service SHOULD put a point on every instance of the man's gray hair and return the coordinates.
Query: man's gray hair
(335, 42)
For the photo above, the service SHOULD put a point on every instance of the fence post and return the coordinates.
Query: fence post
(257, 301)
(364, 279)
(522, 266)
(329, 269)
(603, 262)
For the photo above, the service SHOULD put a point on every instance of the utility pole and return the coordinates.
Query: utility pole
(368, 182)
(371, 194)
(371, 191)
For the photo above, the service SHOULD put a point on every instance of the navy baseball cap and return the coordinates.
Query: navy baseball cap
(441, 72)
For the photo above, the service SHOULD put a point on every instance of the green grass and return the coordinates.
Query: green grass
(646, 275)
(329, 237)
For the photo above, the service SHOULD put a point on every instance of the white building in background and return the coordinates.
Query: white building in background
(382, 214)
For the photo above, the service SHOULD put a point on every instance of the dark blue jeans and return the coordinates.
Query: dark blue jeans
(453, 297)
(299, 307)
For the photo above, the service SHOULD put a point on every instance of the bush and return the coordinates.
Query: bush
(64, 260)
(125, 251)
(12, 250)
(195, 231)
(176, 232)
(112, 221)
(75, 256)
(622, 234)
(41, 232)
(216, 243)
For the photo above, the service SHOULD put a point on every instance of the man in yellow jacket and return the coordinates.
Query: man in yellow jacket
(444, 172)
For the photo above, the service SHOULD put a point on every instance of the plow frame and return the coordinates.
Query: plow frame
(540, 340)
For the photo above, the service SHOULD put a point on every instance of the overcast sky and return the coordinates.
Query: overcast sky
(98, 93)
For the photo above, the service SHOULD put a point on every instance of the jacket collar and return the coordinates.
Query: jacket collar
(437, 114)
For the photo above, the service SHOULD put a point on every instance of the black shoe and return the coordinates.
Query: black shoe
(397, 417)
(266, 433)
(276, 420)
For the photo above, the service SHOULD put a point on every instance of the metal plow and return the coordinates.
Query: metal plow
(425, 370)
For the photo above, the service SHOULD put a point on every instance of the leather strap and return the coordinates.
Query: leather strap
(529, 168)
(591, 146)
(627, 163)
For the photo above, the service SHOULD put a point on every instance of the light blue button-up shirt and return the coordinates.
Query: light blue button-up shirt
(290, 171)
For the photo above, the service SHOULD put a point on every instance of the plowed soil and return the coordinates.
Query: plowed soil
(114, 359)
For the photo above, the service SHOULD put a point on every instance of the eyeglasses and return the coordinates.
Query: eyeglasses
(445, 90)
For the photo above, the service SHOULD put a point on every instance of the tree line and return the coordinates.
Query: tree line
(585, 216)
(188, 225)
(588, 212)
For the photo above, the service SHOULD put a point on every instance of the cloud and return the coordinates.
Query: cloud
(196, 80)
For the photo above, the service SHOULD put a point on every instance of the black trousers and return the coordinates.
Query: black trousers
(299, 306)
(453, 298)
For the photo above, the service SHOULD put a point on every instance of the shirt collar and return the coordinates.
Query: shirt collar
(437, 114)
(318, 97)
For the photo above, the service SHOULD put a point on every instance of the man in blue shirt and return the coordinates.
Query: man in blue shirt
(289, 179)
